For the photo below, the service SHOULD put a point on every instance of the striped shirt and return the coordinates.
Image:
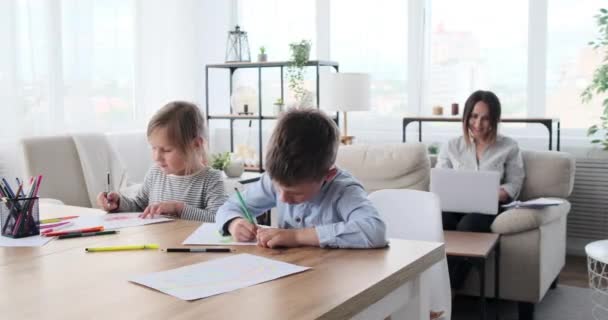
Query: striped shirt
(202, 193)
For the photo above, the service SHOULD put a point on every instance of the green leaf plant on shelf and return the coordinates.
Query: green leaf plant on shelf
(300, 52)
(599, 82)
(225, 161)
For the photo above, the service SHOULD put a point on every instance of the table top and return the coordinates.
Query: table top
(459, 118)
(469, 244)
(62, 280)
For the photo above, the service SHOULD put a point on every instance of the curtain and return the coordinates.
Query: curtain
(100, 66)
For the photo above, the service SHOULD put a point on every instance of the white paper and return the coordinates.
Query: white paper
(114, 221)
(208, 234)
(534, 203)
(33, 241)
(217, 276)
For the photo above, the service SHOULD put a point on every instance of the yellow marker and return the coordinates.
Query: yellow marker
(121, 248)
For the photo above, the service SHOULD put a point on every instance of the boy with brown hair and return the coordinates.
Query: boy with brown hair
(318, 204)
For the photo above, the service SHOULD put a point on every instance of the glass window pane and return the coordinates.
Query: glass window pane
(479, 44)
(371, 37)
(571, 62)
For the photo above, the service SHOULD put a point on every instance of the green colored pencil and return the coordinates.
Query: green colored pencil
(244, 207)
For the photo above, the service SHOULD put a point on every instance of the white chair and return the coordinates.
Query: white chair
(416, 215)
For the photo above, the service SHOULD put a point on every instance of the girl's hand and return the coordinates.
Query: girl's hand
(168, 208)
(242, 230)
(108, 201)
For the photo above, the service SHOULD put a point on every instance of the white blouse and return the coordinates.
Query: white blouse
(503, 156)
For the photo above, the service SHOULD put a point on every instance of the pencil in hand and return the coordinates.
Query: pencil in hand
(248, 215)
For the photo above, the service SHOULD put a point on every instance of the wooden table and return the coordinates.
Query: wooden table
(547, 122)
(477, 247)
(60, 280)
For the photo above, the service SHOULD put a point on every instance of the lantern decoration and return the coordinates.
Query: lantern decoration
(237, 46)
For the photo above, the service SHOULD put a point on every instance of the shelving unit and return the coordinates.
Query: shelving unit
(260, 117)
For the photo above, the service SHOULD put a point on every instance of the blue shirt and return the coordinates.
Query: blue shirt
(341, 214)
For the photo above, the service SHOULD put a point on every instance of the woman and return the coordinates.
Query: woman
(480, 148)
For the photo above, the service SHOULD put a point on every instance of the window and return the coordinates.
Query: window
(571, 62)
(473, 47)
(371, 37)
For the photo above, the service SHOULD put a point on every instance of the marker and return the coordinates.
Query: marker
(248, 215)
(86, 234)
(122, 248)
(198, 250)
(61, 233)
(57, 219)
(51, 225)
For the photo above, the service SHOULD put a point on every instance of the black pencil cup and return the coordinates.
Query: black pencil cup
(19, 217)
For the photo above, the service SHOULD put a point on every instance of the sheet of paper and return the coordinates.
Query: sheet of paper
(33, 241)
(113, 221)
(217, 276)
(208, 234)
(534, 203)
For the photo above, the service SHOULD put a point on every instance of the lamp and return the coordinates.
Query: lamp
(237, 46)
(346, 92)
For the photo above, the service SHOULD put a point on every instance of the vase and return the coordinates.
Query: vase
(234, 169)
(262, 57)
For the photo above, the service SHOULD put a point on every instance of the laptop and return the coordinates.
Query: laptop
(466, 191)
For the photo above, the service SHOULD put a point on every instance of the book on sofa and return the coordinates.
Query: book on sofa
(538, 203)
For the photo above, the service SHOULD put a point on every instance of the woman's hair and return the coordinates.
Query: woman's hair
(494, 109)
(184, 123)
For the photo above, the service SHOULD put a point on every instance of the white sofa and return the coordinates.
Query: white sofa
(57, 159)
(533, 242)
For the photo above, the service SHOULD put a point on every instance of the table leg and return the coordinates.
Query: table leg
(497, 277)
(558, 134)
(419, 131)
(550, 135)
(481, 268)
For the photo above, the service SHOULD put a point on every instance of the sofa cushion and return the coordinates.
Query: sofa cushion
(548, 174)
(387, 166)
(524, 219)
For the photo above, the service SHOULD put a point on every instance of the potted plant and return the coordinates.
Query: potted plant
(300, 52)
(224, 161)
(279, 106)
(262, 57)
(599, 83)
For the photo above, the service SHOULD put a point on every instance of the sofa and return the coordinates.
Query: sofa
(532, 243)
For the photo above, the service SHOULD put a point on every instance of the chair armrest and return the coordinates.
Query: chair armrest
(524, 219)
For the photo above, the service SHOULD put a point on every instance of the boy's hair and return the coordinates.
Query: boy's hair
(184, 123)
(302, 148)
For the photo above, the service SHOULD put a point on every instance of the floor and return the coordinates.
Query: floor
(575, 272)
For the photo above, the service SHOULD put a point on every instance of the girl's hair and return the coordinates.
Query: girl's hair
(184, 123)
(494, 109)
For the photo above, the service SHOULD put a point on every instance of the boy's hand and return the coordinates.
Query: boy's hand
(273, 237)
(168, 208)
(242, 230)
(108, 202)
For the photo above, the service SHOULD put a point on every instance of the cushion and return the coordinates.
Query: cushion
(387, 166)
(548, 174)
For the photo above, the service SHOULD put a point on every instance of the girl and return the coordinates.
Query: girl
(179, 184)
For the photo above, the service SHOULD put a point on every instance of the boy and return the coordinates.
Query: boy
(318, 204)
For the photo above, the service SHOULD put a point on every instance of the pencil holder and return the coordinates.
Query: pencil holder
(19, 217)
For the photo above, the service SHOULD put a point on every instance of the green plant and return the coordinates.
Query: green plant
(278, 101)
(262, 50)
(433, 149)
(300, 51)
(220, 161)
(599, 83)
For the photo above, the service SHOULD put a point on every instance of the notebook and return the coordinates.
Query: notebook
(466, 191)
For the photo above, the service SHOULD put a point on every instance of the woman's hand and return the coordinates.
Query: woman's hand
(503, 196)
(168, 208)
